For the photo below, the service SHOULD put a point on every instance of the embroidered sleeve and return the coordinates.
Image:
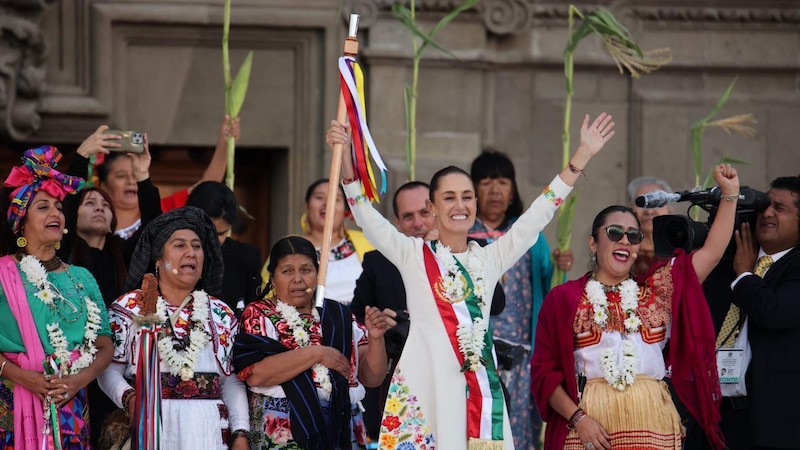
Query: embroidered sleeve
(661, 282)
(121, 333)
(224, 323)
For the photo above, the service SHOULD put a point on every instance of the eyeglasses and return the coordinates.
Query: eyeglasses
(615, 233)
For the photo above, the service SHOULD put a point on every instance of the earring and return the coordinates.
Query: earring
(58, 245)
(22, 242)
(594, 257)
(156, 270)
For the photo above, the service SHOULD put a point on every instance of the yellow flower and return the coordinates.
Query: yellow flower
(393, 405)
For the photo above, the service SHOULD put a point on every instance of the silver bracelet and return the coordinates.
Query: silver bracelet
(2, 366)
(730, 197)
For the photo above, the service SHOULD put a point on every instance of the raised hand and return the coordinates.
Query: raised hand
(727, 179)
(594, 137)
(140, 162)
(230, 128)
(339, 133)
(98, 142)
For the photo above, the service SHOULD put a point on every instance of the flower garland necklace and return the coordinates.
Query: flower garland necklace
(629, 301)
(183, 364)
(291, 316)
(36, 274)
(471, 337)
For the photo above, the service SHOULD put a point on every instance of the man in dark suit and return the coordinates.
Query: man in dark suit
(771, 304)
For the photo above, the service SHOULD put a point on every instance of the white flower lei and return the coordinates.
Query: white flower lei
(183, 364)
(471, 337)
(36, 274)
(629, 301)
(291, 316)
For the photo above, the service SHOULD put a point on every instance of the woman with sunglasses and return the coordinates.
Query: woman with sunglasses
(599, 358)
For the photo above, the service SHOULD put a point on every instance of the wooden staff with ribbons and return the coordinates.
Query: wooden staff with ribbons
(352, 109)
(350, 49)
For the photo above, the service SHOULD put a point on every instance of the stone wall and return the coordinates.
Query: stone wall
(156, 66)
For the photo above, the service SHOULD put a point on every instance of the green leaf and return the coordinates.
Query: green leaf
(403, 15)
(447, 19)
(239, 86)
(720, 102)
(696, 133)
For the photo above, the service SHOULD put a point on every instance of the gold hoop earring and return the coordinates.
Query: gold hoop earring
(22, 242)
(58, 245)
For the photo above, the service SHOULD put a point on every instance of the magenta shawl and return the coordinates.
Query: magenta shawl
(28, 414)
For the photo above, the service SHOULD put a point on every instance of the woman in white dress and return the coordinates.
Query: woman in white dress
(203, 404)
(445, 392)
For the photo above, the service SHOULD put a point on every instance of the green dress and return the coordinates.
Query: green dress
(74, 284)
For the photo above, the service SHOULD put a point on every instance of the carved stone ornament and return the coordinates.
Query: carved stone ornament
(22, 66)
(503, 17)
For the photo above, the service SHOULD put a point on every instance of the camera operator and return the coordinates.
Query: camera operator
(381, 285)
(758, 335)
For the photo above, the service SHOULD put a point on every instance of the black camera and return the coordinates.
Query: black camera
(671, 232)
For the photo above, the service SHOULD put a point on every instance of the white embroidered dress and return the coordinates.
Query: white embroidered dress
(186, 424)
(426, 405)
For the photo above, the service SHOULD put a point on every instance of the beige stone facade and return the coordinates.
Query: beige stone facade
(67, 66)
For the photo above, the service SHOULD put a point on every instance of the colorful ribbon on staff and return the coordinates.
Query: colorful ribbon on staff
(147, 411)
(352, 81)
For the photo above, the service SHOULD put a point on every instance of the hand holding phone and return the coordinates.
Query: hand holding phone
(131, 141)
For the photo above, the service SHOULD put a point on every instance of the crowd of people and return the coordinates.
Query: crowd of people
(131, 320)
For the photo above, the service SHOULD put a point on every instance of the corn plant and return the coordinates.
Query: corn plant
(628, 56)
(743, 124)
(420, 41)
(235, 90)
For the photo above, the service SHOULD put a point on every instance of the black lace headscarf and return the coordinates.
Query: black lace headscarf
(151, 247)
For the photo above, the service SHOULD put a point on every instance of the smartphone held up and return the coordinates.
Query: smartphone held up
(130, 142)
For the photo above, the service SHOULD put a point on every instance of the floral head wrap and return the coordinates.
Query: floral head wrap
(37, 172)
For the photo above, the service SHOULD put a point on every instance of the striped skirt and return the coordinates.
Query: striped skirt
(641, 417)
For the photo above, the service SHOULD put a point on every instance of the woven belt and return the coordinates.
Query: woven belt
(203, 386)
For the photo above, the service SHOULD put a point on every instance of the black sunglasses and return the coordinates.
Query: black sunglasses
(615, 233)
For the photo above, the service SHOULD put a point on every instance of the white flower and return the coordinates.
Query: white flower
(36, 274)
(632, 323)
(610, 359)
(183, 364)
(288, 313)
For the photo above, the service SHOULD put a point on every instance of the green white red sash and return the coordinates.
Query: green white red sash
(484, 392)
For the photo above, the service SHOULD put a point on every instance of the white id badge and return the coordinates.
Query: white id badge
(730, 365)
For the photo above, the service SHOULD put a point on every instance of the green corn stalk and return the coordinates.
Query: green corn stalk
(626, 55)
(235, 90)
(420, 42)
(743, 124)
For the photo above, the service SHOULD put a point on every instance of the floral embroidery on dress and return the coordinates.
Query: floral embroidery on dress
(403, 426)
(345, 249)
(550, 195)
